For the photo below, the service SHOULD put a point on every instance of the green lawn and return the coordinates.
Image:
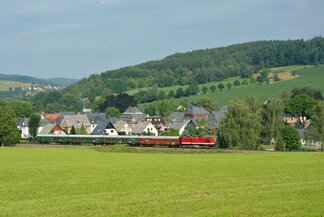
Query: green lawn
(86, 181)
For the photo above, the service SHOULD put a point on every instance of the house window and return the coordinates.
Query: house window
(111, 131)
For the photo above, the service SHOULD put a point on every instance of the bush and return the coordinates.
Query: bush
(291, 138)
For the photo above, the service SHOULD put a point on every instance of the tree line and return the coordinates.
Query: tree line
(250, 123)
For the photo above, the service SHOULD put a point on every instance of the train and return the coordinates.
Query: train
(133, 140)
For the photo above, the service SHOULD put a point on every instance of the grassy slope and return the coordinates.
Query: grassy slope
(308, 75)
(5, 85)
(85, 182)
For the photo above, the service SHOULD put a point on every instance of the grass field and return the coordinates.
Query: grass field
(308, 75)
(5, 85)
(103, 181)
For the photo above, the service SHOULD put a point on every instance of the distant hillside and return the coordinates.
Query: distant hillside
(63, 81)
(29, 79)
(202, 66)
(23, 78)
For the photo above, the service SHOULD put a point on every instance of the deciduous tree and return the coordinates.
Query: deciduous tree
(8, 130)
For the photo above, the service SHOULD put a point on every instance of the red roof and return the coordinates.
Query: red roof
(52, 116)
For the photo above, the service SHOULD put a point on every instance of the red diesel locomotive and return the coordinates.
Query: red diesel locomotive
(176, 141)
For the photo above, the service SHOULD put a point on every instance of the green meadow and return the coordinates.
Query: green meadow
(307, 75)
(110, 181)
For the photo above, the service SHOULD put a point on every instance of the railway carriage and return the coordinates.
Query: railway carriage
(168, 141)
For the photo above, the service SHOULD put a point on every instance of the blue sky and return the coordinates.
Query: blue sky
(76, 38)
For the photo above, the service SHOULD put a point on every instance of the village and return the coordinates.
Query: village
(131, 122)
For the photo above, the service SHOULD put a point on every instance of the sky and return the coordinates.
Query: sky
(76, 38)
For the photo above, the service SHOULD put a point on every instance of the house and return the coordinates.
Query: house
(144, 127)
(122, 127)
(157, 122)
(54, 129)
(42, 124)
(193, 111)
(22, 125)
(296, 122)
(180, 126)
(174, 116)
(51, 117)
(78, 121)
(133, 115)
(290, 120)
(95, 118)
(105, 128)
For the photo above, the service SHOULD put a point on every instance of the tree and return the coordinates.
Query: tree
(245, 82)
(315, 131)
(253, 104)
(301, 106)
(252, 80)
(271, 119)
(241, 129)
(237, 83)
(290, 138)
(73, 131)
(308, 90)
(221, 86)
(207, 103)
(179, 92)
(212, 88)
(33, 124)
(280, 144)
(8, 130)
(82, 130)
(171, 94)
(112, 112)
(276, 77)
(22, 109)
(170, 132)
(229, 85)
(162, 94)
(164, 107)
(260, 79)
(121, 102)
(204, 89)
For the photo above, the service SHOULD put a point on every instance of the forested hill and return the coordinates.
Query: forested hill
(203, 66)
(23, 78)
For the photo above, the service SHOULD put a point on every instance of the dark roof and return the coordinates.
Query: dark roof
(22, 122)
(177, 125)
(100, 128)
(176, 116)
(95, 118)
(195, 110)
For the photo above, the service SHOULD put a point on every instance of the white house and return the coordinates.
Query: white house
(143, 127)
(22, 125)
